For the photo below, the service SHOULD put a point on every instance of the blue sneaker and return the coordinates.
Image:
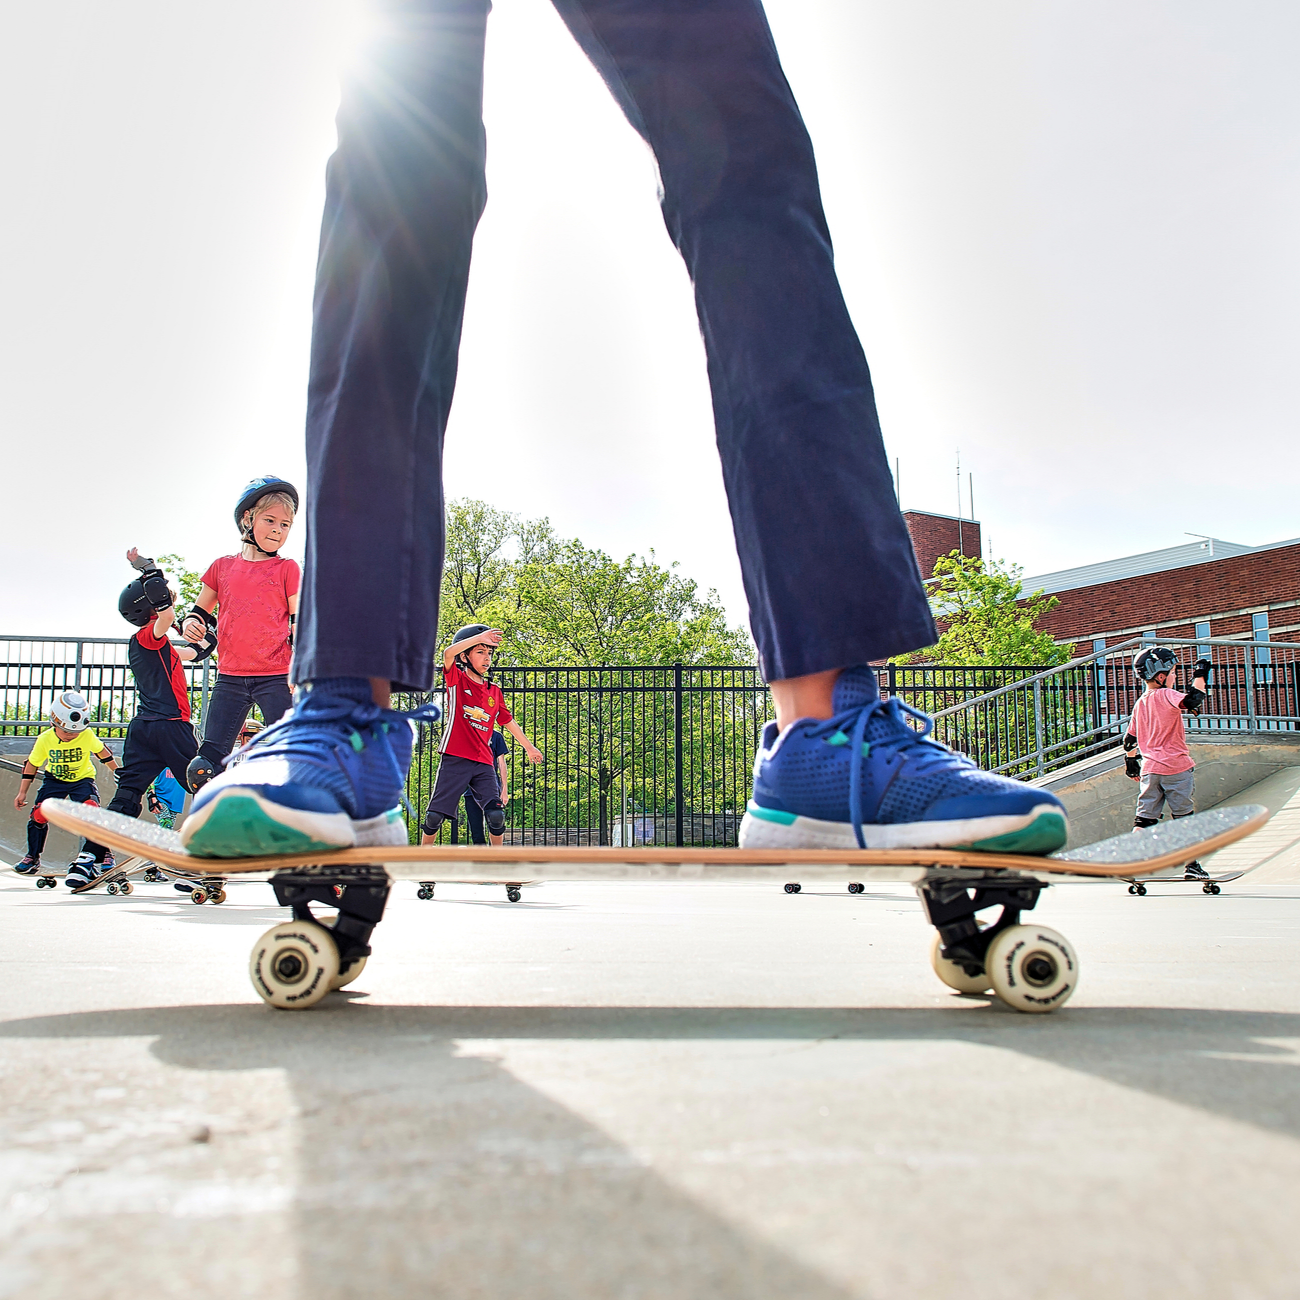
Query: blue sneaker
(866, 778)
(331, 774)
(30, 864)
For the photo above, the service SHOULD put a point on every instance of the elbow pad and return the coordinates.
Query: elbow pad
(156, 591)
(1130, 741)
(1192, 700)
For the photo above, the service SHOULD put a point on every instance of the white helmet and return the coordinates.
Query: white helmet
(71, 711)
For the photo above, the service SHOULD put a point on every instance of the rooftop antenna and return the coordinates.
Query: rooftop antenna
(961, 543)
(970, 496)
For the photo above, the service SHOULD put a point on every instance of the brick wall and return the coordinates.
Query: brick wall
(1223, 592)
(936, 535)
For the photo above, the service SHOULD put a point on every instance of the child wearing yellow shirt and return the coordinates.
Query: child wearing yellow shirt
(64, 750)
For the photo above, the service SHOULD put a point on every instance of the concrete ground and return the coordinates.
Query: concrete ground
(635, 1091)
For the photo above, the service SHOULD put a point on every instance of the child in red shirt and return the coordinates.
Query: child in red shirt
(256, 593)
(1155, 745)
(474, 707)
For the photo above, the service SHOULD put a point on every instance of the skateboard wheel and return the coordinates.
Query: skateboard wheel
(1211, 888)
(124, 887)
(349, 972)
(198, 895)
(425, 892)
(793, 889)
(1140, 889)
(294, 965)
(1032, 968)
(953, 974)
(513, 895)
(856, 888)
(219, 896)
(111, 887)
(1132, 889)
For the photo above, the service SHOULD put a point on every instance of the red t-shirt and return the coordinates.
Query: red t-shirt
(253, 623)
(473, 709)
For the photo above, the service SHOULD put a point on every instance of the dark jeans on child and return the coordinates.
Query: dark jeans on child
(228, 707)
(827, 562)
(457, 775)
(38, 829)
(151, 745)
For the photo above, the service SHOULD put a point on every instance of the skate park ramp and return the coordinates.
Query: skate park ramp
(61, 847)
(1271, 855)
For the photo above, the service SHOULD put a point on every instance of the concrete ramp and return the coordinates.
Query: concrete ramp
(1271, 855)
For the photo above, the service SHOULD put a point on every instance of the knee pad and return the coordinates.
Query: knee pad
(199, 772)
(1141, 823)
(92, 803)
(432, 821)
(495, 816)
(37, 816)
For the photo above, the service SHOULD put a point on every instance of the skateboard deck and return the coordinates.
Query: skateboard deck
(1140, 853)
(207, 887)
(1209, 884)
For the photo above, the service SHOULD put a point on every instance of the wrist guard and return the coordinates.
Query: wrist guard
(1132, 764)
(293, 619)
(1203, 668)
(203, 647)
(145, 566)
(209, 619)
(1130, 741)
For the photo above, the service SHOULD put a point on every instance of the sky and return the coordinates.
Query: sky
(1066, 232)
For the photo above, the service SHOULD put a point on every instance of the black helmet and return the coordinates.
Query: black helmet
(1151, 663)
(259, 488)
(470, 629)
(133, 604)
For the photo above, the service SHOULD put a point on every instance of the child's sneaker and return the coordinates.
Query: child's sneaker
(330, 774)
(85, 869)
(29, 865)
(1194, 871)
(866, 779)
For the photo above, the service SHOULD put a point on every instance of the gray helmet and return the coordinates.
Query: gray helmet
(71, 711)
(1151, 663)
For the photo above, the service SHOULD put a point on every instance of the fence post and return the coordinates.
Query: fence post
(1251, 720)
(76, 672)
(893, 680)
(1038, 722)
(203, 698)
(678, 784)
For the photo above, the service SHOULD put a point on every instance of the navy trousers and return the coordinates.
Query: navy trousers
(231, 700)
(825, 554)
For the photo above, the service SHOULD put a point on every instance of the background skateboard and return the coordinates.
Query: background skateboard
(1208, 886)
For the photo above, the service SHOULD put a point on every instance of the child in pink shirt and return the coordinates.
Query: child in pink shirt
(1155, 745)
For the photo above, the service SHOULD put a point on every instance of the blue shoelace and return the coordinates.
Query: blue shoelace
(905, 737)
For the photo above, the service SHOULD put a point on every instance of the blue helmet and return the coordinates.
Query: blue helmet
(259, 488)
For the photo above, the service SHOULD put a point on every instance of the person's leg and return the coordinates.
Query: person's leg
(453, 779)
(827, 561)
(474, 819)
(1150, 802)
(227, 710)
(404, 192)
(485, 790)
(1179, 799)
(272, 697)
(141, 762)
(828, 565)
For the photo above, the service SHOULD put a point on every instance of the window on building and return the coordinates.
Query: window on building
(1202, 634)
(1263, 656)
(1149, 634)
(1098, 645)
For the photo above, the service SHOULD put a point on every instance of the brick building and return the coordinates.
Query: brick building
(1208, 588)
(936, 535)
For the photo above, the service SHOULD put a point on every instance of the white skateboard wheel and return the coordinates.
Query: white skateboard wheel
(294, 965)
(1032, 968)
(349, 972)
(954, 975)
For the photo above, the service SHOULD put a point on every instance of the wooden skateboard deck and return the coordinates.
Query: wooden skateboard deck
(1209, 884)
(1139, 853)
(208, 887)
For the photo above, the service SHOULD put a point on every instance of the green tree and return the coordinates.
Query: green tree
(189, 582)
(985, 618)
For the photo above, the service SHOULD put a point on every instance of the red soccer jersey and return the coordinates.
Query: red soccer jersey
(253, 614)
(473, 709)
(161, 692)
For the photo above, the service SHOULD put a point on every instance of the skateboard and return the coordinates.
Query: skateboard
(43, 876)
(1208, 886)
(1029, 967)
(206, 888)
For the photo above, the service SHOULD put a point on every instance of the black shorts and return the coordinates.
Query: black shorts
(82, 791)
(455, 776)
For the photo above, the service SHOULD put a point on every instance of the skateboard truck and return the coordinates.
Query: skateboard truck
(950, 906)
(359, 894)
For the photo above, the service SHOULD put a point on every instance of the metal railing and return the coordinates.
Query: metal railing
(1059, 716)
(33, 669)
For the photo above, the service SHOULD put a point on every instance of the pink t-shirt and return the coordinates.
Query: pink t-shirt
(253, 614)
(1157, 723)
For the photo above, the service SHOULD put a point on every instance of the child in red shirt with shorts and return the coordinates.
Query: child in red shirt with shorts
(1155, 746)
(474, 707)
(256, 593)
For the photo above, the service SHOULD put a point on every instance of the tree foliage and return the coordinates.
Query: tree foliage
(189, 582)
(985, 618)
(560, 602)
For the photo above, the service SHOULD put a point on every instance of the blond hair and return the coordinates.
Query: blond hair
(271, 499)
